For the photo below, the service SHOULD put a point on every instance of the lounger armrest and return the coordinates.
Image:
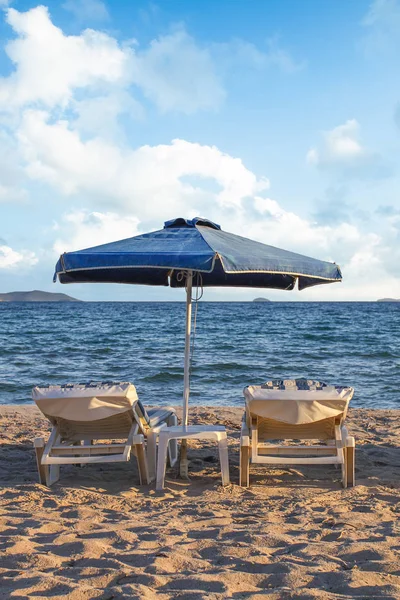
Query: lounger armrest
(348, 440)
(245, 433)
(161, 416)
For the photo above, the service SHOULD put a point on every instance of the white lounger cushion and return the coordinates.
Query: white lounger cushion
(85, 402)
(297, 406)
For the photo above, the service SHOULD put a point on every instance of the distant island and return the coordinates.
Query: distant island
(388, 300)
(36, 296)
(261, 300)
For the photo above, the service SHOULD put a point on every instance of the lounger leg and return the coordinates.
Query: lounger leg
(349, 448)
(245, 453)
(344, 468)
(52, 471)
(245, 466)
(223, 457)
(53, 474)
(152, 454)
(142, 464)
(350, 462)
(161, 463)
(42, 469)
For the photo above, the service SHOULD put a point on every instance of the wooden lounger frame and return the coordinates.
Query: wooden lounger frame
(256, 446)
(71, 442)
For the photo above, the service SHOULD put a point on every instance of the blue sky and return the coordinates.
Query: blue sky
(280, 120)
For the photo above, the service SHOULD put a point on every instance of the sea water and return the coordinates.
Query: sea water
(236, 344)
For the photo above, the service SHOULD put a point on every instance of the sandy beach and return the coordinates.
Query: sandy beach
(295, 533)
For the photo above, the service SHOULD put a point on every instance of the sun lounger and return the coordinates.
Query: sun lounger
(296, 409)
(109, 413)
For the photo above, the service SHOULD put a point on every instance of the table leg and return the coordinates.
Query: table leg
(162, 460)
(223, 457)
(152, 454)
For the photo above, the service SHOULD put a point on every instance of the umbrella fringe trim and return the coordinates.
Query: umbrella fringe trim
(138, 267)
(283, 273)
(228, 272)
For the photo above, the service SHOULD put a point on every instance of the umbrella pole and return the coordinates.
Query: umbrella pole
(184, 463)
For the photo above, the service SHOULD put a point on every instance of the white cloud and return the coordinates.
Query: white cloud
(368, 259)
(384, 15)
(340, 146)
(174, 72)
(12, 177)
(49, 65)
(281, 58)
(11, 259)
(84, 229)
(241, 52)
(96, 78)
(177, 74)
(99, 115)
(278, 225)
(383, 12)
(341, 150)
(382, 27)
(141, 188)
(69, 102)
(12, 193)
(150, 180)
(91, 10)
(367, 275)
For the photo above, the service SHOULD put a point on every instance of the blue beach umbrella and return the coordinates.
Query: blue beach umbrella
(196, 250)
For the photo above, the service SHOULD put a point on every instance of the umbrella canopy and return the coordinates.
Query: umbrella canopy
(196, 245)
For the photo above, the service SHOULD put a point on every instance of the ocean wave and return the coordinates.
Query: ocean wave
(236, 344)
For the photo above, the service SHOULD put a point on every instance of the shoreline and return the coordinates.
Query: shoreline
(295, 533)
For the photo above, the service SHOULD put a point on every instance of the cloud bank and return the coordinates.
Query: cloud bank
(59, 115)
